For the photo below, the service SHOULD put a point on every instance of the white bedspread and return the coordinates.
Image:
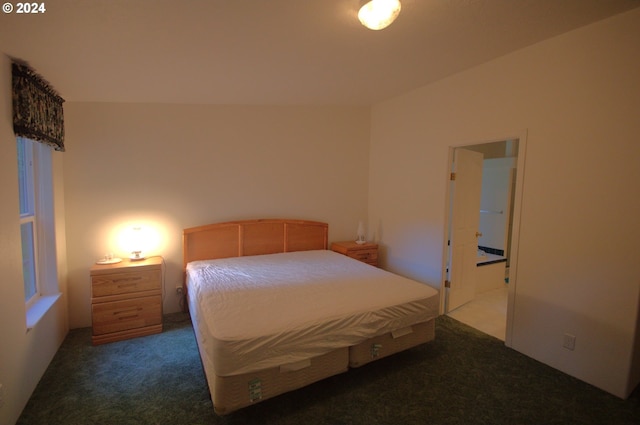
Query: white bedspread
(252, 313)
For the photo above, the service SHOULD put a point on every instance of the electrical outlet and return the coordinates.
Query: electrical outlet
(178, 290)
(569, 342)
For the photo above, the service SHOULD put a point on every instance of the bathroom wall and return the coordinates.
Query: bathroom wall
(495, 202)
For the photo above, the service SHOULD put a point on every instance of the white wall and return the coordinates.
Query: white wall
(179, 166)
(495, 202)
(578, 97)
(24, 356)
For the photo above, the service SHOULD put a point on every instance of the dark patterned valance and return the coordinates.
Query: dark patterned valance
(37, 108)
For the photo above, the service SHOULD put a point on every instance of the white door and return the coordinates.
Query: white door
(466, 191)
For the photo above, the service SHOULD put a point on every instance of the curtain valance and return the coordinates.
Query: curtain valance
(37, 108)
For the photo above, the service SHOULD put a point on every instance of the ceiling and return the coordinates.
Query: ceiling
(277, 52)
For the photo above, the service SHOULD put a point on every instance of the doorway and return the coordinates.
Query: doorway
(487, 271)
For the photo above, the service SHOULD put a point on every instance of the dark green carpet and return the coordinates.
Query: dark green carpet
(463, 377)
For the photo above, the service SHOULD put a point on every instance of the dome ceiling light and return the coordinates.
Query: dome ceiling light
(379, 14)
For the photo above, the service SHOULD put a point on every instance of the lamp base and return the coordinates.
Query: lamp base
(136, 256)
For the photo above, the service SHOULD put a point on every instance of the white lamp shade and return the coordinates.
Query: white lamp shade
(137, 243)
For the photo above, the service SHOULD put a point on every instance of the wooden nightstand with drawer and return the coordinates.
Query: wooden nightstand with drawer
(126, 300)
(366, 252)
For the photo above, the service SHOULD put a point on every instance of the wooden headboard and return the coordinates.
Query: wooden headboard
(252, 237)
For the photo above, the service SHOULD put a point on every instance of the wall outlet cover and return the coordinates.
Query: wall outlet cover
(569, 342)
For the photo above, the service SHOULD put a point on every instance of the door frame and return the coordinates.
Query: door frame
(515, 228)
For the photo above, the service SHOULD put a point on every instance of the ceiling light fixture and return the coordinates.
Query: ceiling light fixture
(379, 14)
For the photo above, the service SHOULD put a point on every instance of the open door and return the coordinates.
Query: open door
(466, 189)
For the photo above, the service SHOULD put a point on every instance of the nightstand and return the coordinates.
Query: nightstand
(366, 252)
(126, 299)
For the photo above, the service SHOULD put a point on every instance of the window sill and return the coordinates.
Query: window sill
(39, 309)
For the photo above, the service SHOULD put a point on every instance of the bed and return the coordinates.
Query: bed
(273, 310)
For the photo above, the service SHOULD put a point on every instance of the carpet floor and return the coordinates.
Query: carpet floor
(463, 377)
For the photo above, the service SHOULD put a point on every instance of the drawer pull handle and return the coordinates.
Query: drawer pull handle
(129, 280)
(132, 312)
(126, 285)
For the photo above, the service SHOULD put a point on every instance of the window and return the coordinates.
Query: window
(27, 218)
(37, 228)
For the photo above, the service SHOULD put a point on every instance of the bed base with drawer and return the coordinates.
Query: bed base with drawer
(257, 237)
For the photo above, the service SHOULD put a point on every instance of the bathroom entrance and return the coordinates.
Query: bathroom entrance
(480, 253)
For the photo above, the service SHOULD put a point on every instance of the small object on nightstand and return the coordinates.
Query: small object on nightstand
(126, 299)
(109, 259)
(362, 238)
(366, 252)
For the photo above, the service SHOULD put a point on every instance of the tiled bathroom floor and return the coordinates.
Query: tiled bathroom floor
(487, 312)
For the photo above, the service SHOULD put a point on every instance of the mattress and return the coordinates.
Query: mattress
(281, 310)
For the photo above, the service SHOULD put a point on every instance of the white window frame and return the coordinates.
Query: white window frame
(38, 183)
